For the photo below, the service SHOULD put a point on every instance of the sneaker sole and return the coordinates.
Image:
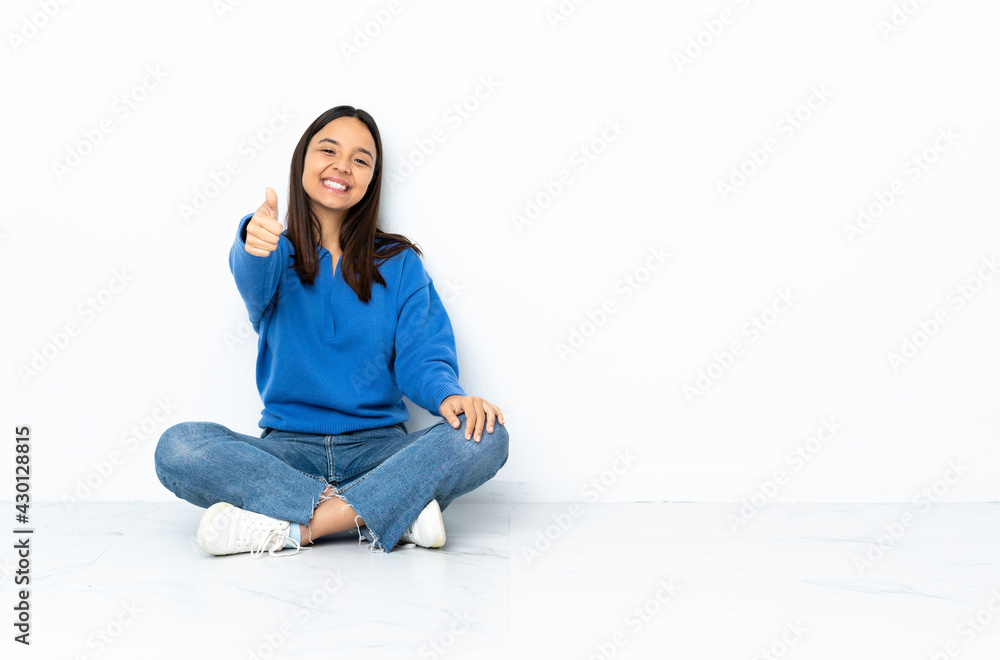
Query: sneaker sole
(206, 524)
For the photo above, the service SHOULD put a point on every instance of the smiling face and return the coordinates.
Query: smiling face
(339, 164)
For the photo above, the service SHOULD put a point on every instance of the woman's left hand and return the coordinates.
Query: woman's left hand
(478, 412)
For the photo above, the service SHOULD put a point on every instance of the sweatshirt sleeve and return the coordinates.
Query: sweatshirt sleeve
(256, 277)
(426, 363)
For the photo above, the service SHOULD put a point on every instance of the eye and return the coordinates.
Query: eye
(329, 151)
(361, 160)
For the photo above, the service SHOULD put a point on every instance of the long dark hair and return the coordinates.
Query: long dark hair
(361, 239)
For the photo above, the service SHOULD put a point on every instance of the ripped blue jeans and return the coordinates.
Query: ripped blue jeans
(386, 474)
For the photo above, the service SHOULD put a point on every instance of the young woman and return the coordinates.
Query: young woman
(348, 321)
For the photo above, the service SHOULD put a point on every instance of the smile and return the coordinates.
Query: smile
(334, 185)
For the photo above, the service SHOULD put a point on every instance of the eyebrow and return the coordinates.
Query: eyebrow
(359, 148)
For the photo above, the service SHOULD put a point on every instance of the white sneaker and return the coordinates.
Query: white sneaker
(427, 530)
(226, 529)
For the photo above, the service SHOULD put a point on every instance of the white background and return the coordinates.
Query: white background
(176, 336)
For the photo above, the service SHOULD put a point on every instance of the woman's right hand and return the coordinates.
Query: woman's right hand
(264, 229)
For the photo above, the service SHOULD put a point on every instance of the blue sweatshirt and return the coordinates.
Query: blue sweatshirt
(328, 363)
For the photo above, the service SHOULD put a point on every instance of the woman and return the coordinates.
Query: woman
(348, 322)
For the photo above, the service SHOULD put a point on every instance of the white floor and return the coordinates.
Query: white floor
(642, 580)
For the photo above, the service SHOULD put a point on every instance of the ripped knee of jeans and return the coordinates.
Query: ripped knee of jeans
(326, 495)
(375, 545)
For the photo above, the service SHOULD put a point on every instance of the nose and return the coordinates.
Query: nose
(342, 162)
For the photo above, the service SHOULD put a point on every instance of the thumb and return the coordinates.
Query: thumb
(447, 411)
(271, 198)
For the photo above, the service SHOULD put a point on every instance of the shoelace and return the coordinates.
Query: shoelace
(260, 544)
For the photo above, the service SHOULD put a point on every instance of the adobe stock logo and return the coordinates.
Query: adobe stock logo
(121, 109)
(797, 459)
(912, 343)
(698, 44)
(581, 159)
(33, 24)
(753, 330)
(626, 287)
(912, 170)
(788, 126)
(60, 340)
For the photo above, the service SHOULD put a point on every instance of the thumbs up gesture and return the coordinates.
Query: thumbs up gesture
(264, 228)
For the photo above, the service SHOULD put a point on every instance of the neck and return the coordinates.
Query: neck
(330, 222)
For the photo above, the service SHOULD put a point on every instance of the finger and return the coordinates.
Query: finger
(470, 416)
(271, 202)
(490, 416)
(480, 418)
(261, 240)
(257, 252)
(450, 416)
(263, 235)
(263, 232)
(272, 227)
(447, 410)
(266, 215)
